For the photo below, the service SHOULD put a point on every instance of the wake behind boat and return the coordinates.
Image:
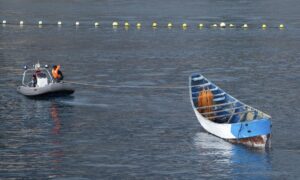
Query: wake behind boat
(38, 82)
(226, 117)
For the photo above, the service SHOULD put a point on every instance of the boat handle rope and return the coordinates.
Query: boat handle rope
(126, 86)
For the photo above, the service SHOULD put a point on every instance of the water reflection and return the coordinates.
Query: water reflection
(233, 160)
(55, 118)
(57, 153)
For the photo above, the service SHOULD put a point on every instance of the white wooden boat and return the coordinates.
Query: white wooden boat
(229, 118)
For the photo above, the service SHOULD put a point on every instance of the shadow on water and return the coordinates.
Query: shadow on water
(233, 159)
(47, 97)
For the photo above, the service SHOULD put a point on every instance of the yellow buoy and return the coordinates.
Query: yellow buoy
(245, 26)
(4, 22)
(184, 25)
(214, 25)
(200, 25)
(77, 23)
(59, 23)
(281, 26)
(21, 22)
(170, 25)
(40, 23)
(96, 24)
(138, 25)
(231, 25)
(126, 24)
(264, 26)
(222, 24)
(115, 23)
(154, 24)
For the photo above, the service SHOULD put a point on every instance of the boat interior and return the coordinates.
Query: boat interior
(224, 108)
(42, 76)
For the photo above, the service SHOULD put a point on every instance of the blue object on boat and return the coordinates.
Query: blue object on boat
(251, 128)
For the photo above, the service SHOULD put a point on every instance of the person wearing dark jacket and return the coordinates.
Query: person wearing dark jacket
(34, 80)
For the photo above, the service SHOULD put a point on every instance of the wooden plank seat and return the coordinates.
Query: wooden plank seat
(217, 105)
(229, 114)
(195, 75)
(219, 99)
(198, 78)
(202, 85)
(197, 88)
(215, 89)
(219, 94)
(216, 100)
(228, 109)
(215, 95)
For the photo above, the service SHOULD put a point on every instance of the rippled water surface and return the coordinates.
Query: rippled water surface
(114, 127)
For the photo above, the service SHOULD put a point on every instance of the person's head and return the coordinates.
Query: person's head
(54, 67)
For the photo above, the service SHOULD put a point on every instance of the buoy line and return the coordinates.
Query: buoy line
(127, 86)
(138, 25)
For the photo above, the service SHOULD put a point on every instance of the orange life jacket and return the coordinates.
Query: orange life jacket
(201, 99)
(55, 72)
(209, 98)
(205, 98)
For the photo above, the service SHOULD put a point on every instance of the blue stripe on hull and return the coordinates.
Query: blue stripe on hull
(251, 128)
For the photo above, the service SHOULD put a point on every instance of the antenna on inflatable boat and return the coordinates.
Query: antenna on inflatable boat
(37, 66)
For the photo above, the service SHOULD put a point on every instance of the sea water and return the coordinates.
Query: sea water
(131, 117)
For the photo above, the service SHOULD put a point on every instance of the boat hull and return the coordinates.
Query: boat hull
(256, 133)
(262, 141)
(247, 126)
(52, 89)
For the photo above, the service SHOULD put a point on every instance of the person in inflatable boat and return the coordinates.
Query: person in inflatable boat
(57, 74)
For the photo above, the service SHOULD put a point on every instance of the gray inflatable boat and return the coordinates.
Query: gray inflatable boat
(39, 82)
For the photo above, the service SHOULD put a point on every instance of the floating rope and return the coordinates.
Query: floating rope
(18, 71)
(127, 86)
